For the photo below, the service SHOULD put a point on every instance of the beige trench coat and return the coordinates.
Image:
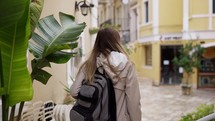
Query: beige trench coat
(126, 89)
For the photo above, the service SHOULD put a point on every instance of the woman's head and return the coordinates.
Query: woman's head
(107, 40)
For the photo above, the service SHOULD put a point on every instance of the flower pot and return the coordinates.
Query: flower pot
(186, 89)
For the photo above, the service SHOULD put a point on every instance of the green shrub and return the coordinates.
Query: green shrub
(202, 111)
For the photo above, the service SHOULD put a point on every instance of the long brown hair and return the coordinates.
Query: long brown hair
(107, 40)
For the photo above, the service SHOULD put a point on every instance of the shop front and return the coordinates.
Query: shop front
(206, 75)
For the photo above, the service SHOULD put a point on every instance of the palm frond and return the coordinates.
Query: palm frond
(53, 41)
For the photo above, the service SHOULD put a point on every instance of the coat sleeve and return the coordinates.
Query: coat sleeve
(133, 95)
(75, 87)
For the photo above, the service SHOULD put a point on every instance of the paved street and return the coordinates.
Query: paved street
(166, 103)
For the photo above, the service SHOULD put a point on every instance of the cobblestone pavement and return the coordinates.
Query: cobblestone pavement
(166, 103)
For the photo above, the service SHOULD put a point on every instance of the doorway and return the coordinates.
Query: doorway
(170, 74)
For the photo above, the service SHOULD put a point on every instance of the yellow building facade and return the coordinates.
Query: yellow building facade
(164, 27)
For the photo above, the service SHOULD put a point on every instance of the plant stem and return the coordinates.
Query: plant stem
(5, 109)
(12, 113)
(20, 110)
(188, 78)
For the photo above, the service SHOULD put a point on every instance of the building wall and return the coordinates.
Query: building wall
(199, 18)
(105, 11)
(198, 7)
(138, 57)
(170, 16)
(213, 23)
(145, 29)
(198, 24)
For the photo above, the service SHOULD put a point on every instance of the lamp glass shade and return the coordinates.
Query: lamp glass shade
(84, 9)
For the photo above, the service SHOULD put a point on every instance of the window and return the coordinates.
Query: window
(145, 12)
(146, 6)
(213, 6)
(148, 55)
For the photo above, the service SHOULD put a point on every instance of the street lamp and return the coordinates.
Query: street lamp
(84, 7)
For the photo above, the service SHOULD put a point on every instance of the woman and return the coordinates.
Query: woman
(108, 53)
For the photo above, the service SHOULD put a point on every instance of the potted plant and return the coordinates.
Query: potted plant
(16, 28)
(189, 58)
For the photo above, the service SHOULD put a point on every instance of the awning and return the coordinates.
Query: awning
(209, 51)
(206, 45)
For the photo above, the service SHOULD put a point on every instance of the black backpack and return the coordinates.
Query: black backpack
(96, 101)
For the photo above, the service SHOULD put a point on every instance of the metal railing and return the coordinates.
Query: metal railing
(207, 118)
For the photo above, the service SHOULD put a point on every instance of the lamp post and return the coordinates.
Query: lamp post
(84, 7)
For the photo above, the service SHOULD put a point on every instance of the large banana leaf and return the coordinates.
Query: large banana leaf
(51, 45)
(36, 8)
(11, 11)
(14, 43)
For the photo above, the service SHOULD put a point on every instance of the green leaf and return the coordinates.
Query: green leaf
(56, 48)
(11, 11)
(55, 34)
(2, 91)
(40, 63)
(60, 57)
(42, 76)
(36, 8)
(14, 42)
(37, 47)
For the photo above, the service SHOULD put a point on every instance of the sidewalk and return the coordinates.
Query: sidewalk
(166, 103)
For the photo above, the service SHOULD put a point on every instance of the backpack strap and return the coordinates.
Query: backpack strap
(112, 101)
(111, 96)
(98, 72)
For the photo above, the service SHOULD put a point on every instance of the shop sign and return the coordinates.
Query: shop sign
(174, 37)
